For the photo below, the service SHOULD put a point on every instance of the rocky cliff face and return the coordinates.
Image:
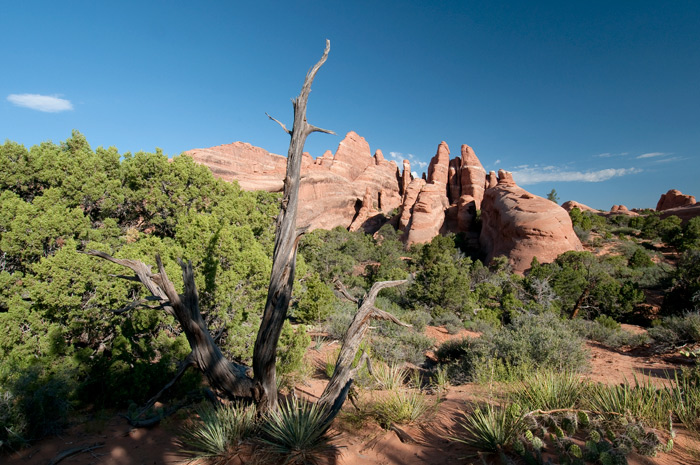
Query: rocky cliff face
(356, 190)
(335, 190)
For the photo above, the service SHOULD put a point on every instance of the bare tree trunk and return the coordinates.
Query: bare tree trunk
(222, 374)
(336, 391)
(287, 237)
(231, 378)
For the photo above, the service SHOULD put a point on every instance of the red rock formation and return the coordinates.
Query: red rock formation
(365, 211)
(571, 204)
(332, 187)
(491, 179)
(439, 165)
(409, 200)
(428, 214)
(454, 185)
(674, 199)
(351, 158)
(520, 225)
(473, 176)
(254, 168)
(406, 178)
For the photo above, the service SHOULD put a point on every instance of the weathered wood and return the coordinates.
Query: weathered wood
(228, 377)
(337, 389)
(284, 257)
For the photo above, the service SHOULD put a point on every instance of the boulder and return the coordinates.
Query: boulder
(520, 225)
(674, 199)
(571, 204)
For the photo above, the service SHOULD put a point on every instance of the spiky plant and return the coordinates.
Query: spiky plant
(549, 390)
(218, 432)
(401, 407)
(389, 377)
(490, 429)
(642, 401)
(686, 398)
(296, 433)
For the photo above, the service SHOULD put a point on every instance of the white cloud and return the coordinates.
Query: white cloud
(45, 103)
(653, 155)
(666, 160)
(537, 174)
(610, 155)
(400, 157)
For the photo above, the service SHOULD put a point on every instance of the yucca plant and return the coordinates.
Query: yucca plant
(490, 429)
(643, 401)
(218, 432)
(686, 398)
(389, 377)
(549, 390)
(440, 380)
(401, 407)
(296, 433)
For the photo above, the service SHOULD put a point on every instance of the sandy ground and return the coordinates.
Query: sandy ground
(367, 444)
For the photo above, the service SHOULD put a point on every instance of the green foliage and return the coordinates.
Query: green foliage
(529, 342)
(316, 301)
(490, 428)
(389, 377)
(296, 433)
(59, 200)
(608, 332)
(677, 330)
(553, 196)
(291, 350)
(642, 401)
(548, 390)
(640, 259)
(401, 406)
(217, 433)
(443, 277)
(684, 293)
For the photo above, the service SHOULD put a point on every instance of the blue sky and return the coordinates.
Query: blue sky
(599, 100)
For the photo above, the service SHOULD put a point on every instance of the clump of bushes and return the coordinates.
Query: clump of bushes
(528, 342)
(608, 332)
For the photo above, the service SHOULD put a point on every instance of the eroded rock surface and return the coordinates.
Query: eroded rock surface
(674, 199)
(520, 225)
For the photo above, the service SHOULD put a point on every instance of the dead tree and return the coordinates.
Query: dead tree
(233, 379)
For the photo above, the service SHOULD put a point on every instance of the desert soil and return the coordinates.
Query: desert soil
(368, 444)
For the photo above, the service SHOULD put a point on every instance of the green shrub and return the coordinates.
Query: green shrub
(401, 407)
(450, 321)
(677, 330)
(316, 302)
(528, 343)
(609, 333)
(292, 347)
(490, 429)
(548, 390)
(217, 433)
(296, 434)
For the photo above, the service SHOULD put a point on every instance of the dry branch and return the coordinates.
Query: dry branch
(284, 257)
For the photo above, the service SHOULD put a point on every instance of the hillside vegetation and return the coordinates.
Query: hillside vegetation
(71, 340)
